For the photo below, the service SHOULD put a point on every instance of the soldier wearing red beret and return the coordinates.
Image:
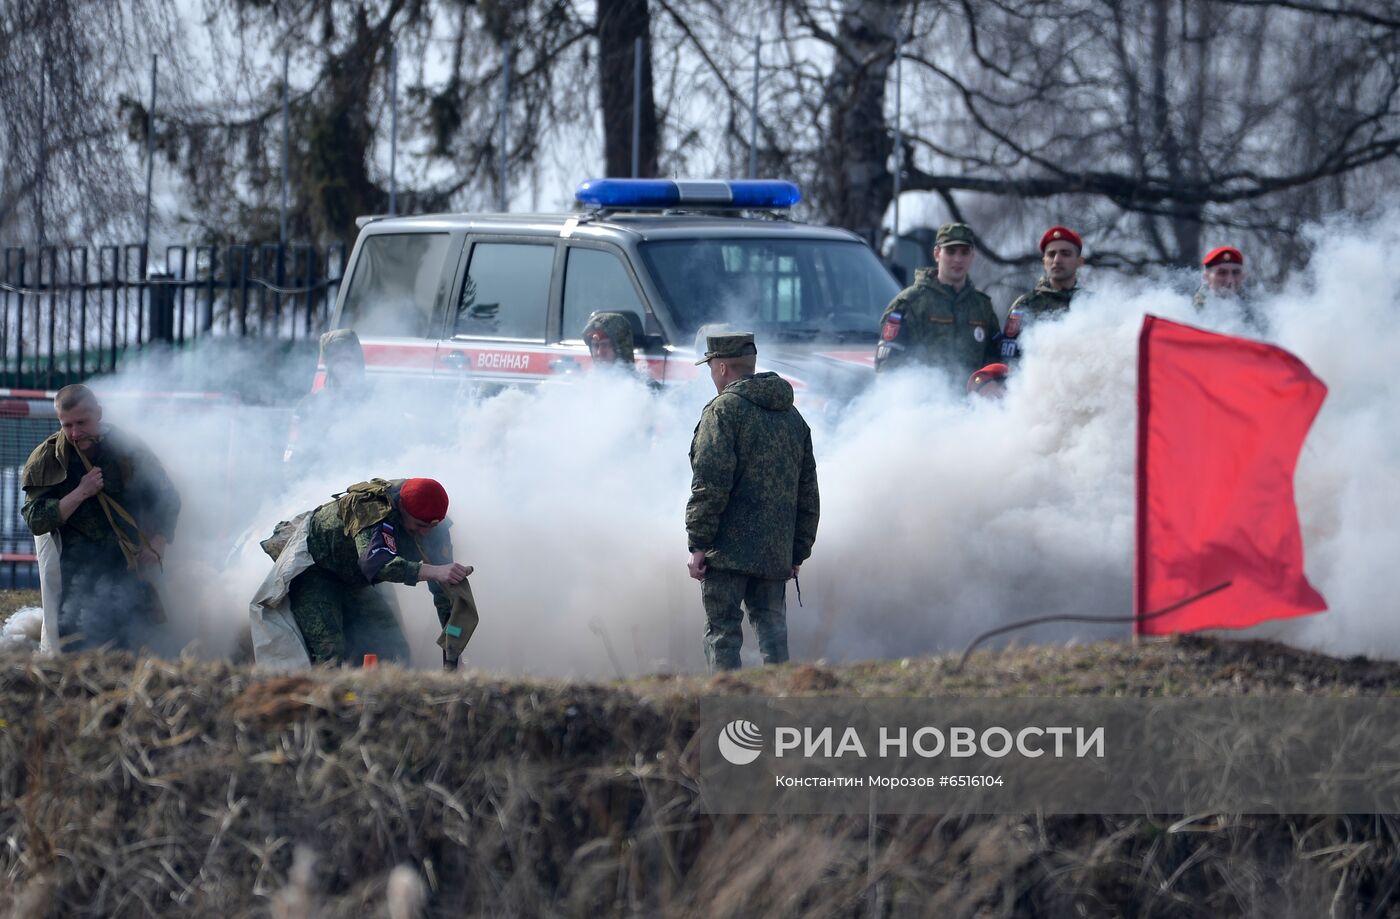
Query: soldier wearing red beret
(1223, 277)
(330, 559)
(1062, 255)
(1224, 274)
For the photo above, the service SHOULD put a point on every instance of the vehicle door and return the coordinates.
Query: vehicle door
(496, 330)
(397, 293)
(598, 278)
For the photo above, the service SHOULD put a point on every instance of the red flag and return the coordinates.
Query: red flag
(1221, 421)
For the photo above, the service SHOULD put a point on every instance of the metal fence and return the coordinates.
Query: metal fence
(26, 418)
(72, 312)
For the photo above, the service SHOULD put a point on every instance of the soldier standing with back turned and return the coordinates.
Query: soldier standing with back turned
(752, 515)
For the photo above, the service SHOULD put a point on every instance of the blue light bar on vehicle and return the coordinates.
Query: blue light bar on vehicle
(658, 193)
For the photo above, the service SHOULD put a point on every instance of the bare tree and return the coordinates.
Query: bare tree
(1159, 129)
(621, 24)
(854, 180)
(452, 58)
(68, 171)
(1185, 114)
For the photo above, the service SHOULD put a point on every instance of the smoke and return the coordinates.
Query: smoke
(940, 518)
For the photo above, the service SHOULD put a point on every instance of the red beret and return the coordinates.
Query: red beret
(1064, 233)
(1221, 255)
(425, 499)
(986, 375)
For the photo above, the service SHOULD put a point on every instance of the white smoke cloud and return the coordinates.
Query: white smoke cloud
(940, 518)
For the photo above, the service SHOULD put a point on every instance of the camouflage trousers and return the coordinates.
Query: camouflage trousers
(105, 605)
(722, 592)
(343, 622)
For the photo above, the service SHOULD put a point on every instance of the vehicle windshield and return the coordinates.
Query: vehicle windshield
(794, 289)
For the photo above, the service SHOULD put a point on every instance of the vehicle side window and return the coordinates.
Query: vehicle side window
(506, 291)
(397, 280)
(595, 280)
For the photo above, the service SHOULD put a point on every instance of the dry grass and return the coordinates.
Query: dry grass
(12, 600)
(1186, 666)
(135, 787)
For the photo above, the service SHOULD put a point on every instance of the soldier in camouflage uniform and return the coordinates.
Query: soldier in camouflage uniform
(1062, 255)
(375, 532)
(942, 320)
(611, 343)
(752, 515)
(108, 500)
(1223, 278)
(318, 419)
(609, 339)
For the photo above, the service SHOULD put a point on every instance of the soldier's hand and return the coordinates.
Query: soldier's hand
(91, 483)
(445, 574)
(795, 569)
(697, 565)
(151, 554)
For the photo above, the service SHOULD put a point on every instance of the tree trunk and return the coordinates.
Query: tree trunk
(620, 24)
(854, 182)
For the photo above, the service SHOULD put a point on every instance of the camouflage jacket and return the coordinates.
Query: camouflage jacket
(1243, 304)
(1044, 301)
(131, 476)
(360, 539)
(753, 503)
(931, 323)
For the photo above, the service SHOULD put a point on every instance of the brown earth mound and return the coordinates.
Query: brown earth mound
(139, 787)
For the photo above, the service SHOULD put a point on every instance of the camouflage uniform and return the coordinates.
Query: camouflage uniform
(1044, 301)
(358, 541)
(103, 600)
(318, 421)
(931, 323)
(1244, 305)
(616, 327)
(753, 509)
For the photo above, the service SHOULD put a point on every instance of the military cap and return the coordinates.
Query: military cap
(736, 344)
(954, 234)
(1223, 255)
(1059, 232)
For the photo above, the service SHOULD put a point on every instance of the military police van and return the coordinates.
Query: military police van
(502, 299)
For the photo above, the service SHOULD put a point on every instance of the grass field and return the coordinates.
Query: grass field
(189, 788)
(11, 600)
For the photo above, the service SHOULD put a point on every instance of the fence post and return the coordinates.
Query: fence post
(162, 306)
